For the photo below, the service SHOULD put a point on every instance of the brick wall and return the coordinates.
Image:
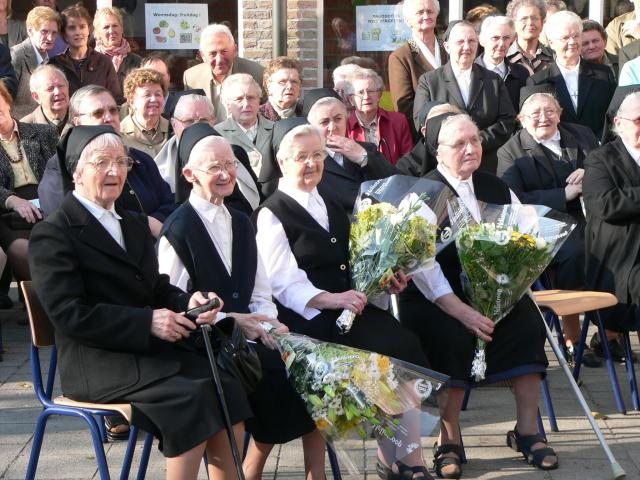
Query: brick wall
(302, 34)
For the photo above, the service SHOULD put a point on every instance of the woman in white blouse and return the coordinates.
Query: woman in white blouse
(302, 236)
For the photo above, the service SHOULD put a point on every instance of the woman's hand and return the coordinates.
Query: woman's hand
(198, 299)
(349, 148)
(398, 283)
(474, 321)
(350, 300)
(24, 208)
(575, 178)
(251, 325)
(170, 326)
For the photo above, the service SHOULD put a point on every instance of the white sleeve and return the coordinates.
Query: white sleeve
(170, 263)
(261, 301)
(514, 198)
(432, 283)
(289, 284)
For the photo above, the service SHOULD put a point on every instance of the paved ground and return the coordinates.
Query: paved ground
(67, 451)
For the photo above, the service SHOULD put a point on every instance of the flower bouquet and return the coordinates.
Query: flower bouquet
(502, 255)
(353, 394)
(395, 227)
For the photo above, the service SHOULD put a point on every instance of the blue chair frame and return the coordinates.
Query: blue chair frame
(42, 336)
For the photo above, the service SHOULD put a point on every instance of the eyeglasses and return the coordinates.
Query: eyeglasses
(462, 144)
(216, 168)
(368, 93)
(549, 113)
(566, 38)
(636, 121)
(104, 164)
(191, 121)
(315, 157)
(98, 113)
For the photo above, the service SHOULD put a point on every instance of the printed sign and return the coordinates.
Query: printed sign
(174, 26)
(380, 28)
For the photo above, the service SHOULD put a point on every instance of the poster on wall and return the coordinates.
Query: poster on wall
(174, 26)
(380, 28)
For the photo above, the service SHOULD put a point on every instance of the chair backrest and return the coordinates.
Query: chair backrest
(42, 331)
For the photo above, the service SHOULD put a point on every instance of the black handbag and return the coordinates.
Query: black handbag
(234, 354)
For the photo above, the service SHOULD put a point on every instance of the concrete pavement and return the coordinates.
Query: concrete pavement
(67, 452)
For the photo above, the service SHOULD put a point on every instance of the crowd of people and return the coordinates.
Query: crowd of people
(126, 202)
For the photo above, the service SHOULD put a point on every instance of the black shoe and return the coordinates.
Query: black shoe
(615, 349)
(5, 302)
(589, 360)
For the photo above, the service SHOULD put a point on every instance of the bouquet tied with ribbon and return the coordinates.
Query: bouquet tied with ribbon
(502, 255)
(394, 227)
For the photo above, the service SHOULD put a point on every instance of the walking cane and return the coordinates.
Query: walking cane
(618, 472)
(206, 330)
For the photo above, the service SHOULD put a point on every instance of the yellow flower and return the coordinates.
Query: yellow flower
(384, 363)
(322, 424)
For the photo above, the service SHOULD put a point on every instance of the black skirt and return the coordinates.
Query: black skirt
(517, 347)
(182, 411)
(279, 413)
(12, 226)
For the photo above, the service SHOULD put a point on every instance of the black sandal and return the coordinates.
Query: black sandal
(523, 444)
(112, 422)
(405, 472)
(439, 462)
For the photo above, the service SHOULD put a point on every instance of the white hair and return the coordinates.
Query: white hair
(203, 150)
(450, 122)
(366, 74)
(288, 143)
(624, 106)
(213, 30)
(41, 71)
(188, 102)
(409, 8)
(493, 21)
(100, 143)
(555, 21)
(345, 73)
(541, 95)
(238, 79)
(322, 103)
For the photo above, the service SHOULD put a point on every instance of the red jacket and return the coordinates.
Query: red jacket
(393, 131)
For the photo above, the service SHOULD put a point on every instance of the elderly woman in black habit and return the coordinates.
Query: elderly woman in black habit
(302, 236)
(422, 159)
(95, 270)
(199, 230)
(433, 308)
(543, 164)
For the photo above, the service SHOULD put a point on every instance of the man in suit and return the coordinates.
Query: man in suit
(348, 163)
(219, 51)
(7, 75)
(50, 88)
(43, 24)
(594, 40)
(613, 218)
(472, 88)
(583, 88)
(247, 129)
(497, 33)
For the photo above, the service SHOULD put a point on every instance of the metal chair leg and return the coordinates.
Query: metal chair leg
(36, 446)
(333, 461)
(610, 365)
(144, 458)
(581, 346)
(631, 372)
(541, 426)
(465, 401)
(128, 455)
(546, 395)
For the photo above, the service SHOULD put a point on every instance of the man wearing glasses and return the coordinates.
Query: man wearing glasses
(583, 88)
(145, 192)
(43, 24)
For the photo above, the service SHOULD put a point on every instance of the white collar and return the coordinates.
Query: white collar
(252, 131)
(634, 152)
(433, 58)
(488, 64)
(453, 181)
(554, 138)
(466, 74)
(98, 211)
(298, 195)
(207, 209)
(569, 71)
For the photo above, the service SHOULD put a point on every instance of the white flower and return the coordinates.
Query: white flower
(502, 279)
(540, 243)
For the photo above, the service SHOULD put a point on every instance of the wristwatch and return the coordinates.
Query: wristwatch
(365, 159)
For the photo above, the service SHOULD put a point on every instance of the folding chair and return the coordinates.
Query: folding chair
(567, 302)
(42, 335)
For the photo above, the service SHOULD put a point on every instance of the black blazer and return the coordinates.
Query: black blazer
(489, 105)
(516, 79)
(523, 165)
(7, 75)
(39, 142)
(596, 85)
(100, 301)
(612, 200)
(343, 184)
